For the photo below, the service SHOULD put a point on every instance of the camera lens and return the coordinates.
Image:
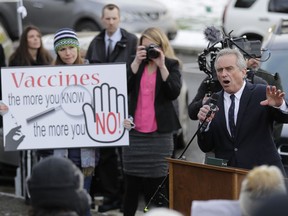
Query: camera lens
(152, 53)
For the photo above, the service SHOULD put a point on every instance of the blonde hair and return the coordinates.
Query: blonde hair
(260, 183)
(264, 180)
(158, 37)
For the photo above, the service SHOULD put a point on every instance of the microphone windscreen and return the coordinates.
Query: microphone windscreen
(212, 34)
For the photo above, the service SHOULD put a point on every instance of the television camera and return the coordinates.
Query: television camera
(217, 41)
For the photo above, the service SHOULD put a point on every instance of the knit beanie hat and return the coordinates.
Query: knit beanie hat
(65, 37)
(57, 183)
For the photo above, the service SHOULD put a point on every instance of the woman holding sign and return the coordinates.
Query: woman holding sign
(67, 48)
(154, 81)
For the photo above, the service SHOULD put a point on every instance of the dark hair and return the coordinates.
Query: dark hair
(56, 183)
(22, 57)
(110, 7)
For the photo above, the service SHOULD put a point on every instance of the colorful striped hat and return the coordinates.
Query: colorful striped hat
(65, 37)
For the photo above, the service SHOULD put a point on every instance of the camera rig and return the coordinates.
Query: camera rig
(217, 41)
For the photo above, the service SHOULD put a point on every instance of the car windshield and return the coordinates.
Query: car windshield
(278, 63)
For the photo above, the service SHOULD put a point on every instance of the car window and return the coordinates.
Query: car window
(244, 3)
(278, 63)
(280, 6)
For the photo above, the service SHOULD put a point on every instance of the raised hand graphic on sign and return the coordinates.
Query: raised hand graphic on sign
(104, 117)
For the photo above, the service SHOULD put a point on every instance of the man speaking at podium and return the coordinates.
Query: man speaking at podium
(240, 131)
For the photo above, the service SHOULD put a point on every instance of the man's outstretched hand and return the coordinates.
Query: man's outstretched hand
(274, 97)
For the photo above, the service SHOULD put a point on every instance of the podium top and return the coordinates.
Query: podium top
(206, 166)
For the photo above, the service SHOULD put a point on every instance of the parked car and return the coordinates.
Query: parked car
(253, 17)
(85, 15)
(276, 44)
(277, 47)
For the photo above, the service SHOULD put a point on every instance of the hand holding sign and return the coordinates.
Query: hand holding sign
(13, 139)
(104, 117)
(3, 108)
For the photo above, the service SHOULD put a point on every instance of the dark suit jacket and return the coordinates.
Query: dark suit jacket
(2, 57)
(124, 49)
(253, 144)
(166, 92)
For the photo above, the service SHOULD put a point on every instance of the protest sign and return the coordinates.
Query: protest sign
(52, 107)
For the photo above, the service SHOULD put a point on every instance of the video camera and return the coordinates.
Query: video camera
(217, 41)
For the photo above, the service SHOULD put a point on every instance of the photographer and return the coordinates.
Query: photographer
(154, 81)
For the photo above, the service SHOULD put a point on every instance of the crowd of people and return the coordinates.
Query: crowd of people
(248, 100)
(261, 188)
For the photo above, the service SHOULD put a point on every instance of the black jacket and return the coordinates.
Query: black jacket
(166, 92)
(2, 57)
(124, 49)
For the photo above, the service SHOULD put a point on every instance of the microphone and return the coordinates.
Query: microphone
(212, 34)
(212, 102)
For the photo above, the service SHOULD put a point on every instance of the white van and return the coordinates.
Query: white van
(253, 18)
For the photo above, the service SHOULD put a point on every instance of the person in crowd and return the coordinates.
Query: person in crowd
(163, 212)
(30, 50)
(242, 129)
(276, 205)
(253, 65)
(2, 57)
(2, 64)
(154, 81)
(66, 45)
(56, 188)
(113, 44)
(261, 183)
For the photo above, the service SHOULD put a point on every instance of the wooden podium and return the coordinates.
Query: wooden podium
(190, 181)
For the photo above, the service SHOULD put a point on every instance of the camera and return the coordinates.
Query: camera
(249, 48)
(218, 41)
(152, 53)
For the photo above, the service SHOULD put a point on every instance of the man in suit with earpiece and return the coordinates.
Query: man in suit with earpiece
(113, 44)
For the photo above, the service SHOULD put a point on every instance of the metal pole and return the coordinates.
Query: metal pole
(19, 18)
